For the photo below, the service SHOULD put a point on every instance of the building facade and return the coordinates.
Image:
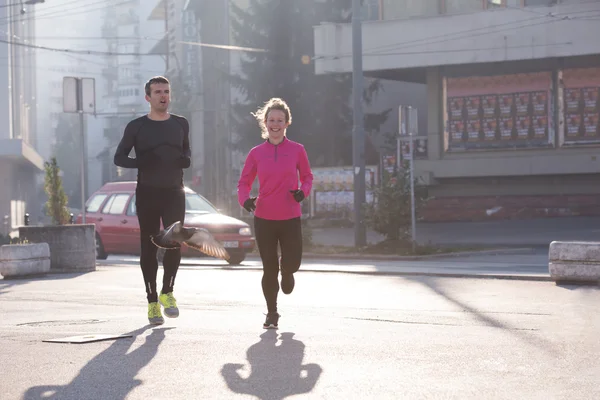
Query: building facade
(62, 25)
(132, 42)
(512, 99)
(20, 164)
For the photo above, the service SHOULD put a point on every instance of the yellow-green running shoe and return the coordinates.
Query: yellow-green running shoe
(154, 315)
(170, 304)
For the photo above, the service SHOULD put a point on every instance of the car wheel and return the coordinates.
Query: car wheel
(236, 257)
(100, 253)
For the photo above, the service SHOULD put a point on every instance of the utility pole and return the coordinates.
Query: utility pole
(358, 133)
(79, 96)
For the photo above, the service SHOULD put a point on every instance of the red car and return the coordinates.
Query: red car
(112, 209)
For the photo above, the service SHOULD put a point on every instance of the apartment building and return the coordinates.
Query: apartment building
(20, 163)
(75, 29)
(183, 60)
(132, 42)
(512, 99)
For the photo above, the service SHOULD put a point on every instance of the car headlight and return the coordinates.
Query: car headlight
(246, 231)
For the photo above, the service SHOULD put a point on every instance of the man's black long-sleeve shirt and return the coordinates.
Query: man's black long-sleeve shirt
(168, 139)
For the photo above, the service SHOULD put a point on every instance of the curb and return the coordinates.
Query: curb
(391, 257)
(438, 273)
(464, 275)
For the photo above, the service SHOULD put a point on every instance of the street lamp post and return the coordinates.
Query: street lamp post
(358, 137)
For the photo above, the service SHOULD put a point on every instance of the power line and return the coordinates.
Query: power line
(42, 15)
(446, 37)
(450, 37)
(87, 52)
(468, 32)
(470, 49)
(416, 42)
(462, 37)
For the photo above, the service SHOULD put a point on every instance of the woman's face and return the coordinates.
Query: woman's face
(276, 124)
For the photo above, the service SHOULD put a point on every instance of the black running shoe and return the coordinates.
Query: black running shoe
(287, 283)
(197, 238)
(271, 321)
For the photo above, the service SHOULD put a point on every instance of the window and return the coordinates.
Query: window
(132, 210)
(495, 3)
(194, 203)
(463, 6)
(370, 9)
(95, 202)
(107, 205)
(400, 9)
(539, 3)
(116, 204)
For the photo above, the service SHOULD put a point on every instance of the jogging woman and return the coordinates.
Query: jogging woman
(279, 163)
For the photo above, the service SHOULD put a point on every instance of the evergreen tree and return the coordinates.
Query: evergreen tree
(56, 206)
(321, 105)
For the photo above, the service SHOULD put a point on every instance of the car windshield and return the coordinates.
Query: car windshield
(196, 204)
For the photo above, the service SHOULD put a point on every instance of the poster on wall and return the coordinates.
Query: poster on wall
(590, 99)
(506, 128)
(572, 98)
(489, 106)
(581, 106)
(456, 108)
(522, 104)
(506, 105)
(590, 125)
(539, 102)
(473, 103)
(457, 130)
(490, 127)
(523, 124)
(500, 112)
(473, 129)
(540, 126)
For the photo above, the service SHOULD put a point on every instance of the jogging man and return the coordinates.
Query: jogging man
(162, 150)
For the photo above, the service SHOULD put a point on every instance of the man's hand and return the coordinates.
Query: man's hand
(298, 195)
(149, 160)
(250, 204)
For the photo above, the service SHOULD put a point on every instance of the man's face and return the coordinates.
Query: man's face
(160, 96)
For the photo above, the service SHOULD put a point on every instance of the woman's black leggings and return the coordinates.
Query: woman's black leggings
(154, 204)
(288, 235)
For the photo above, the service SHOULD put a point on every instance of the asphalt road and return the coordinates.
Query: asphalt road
(531, 264)
(341, 336)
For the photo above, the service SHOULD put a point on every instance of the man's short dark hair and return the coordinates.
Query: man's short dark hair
(155, 79)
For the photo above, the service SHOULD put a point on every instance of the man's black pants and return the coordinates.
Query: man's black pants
(153, 205)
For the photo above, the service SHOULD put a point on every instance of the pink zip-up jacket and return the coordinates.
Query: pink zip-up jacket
(278, 168)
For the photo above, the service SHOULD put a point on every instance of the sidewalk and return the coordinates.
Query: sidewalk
(510, 233)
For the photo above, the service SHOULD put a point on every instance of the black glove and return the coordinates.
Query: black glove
(149, 160)
(183, 162)
(298, 195)
(250, 204)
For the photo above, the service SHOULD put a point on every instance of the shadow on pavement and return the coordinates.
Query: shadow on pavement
(483, 317)
(109, 375)
(7, 283)
(586, 286)
(276, 371)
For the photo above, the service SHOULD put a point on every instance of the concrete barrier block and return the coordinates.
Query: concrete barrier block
(574, 251)
(72, 247)
(574, 261)
(18, 260)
